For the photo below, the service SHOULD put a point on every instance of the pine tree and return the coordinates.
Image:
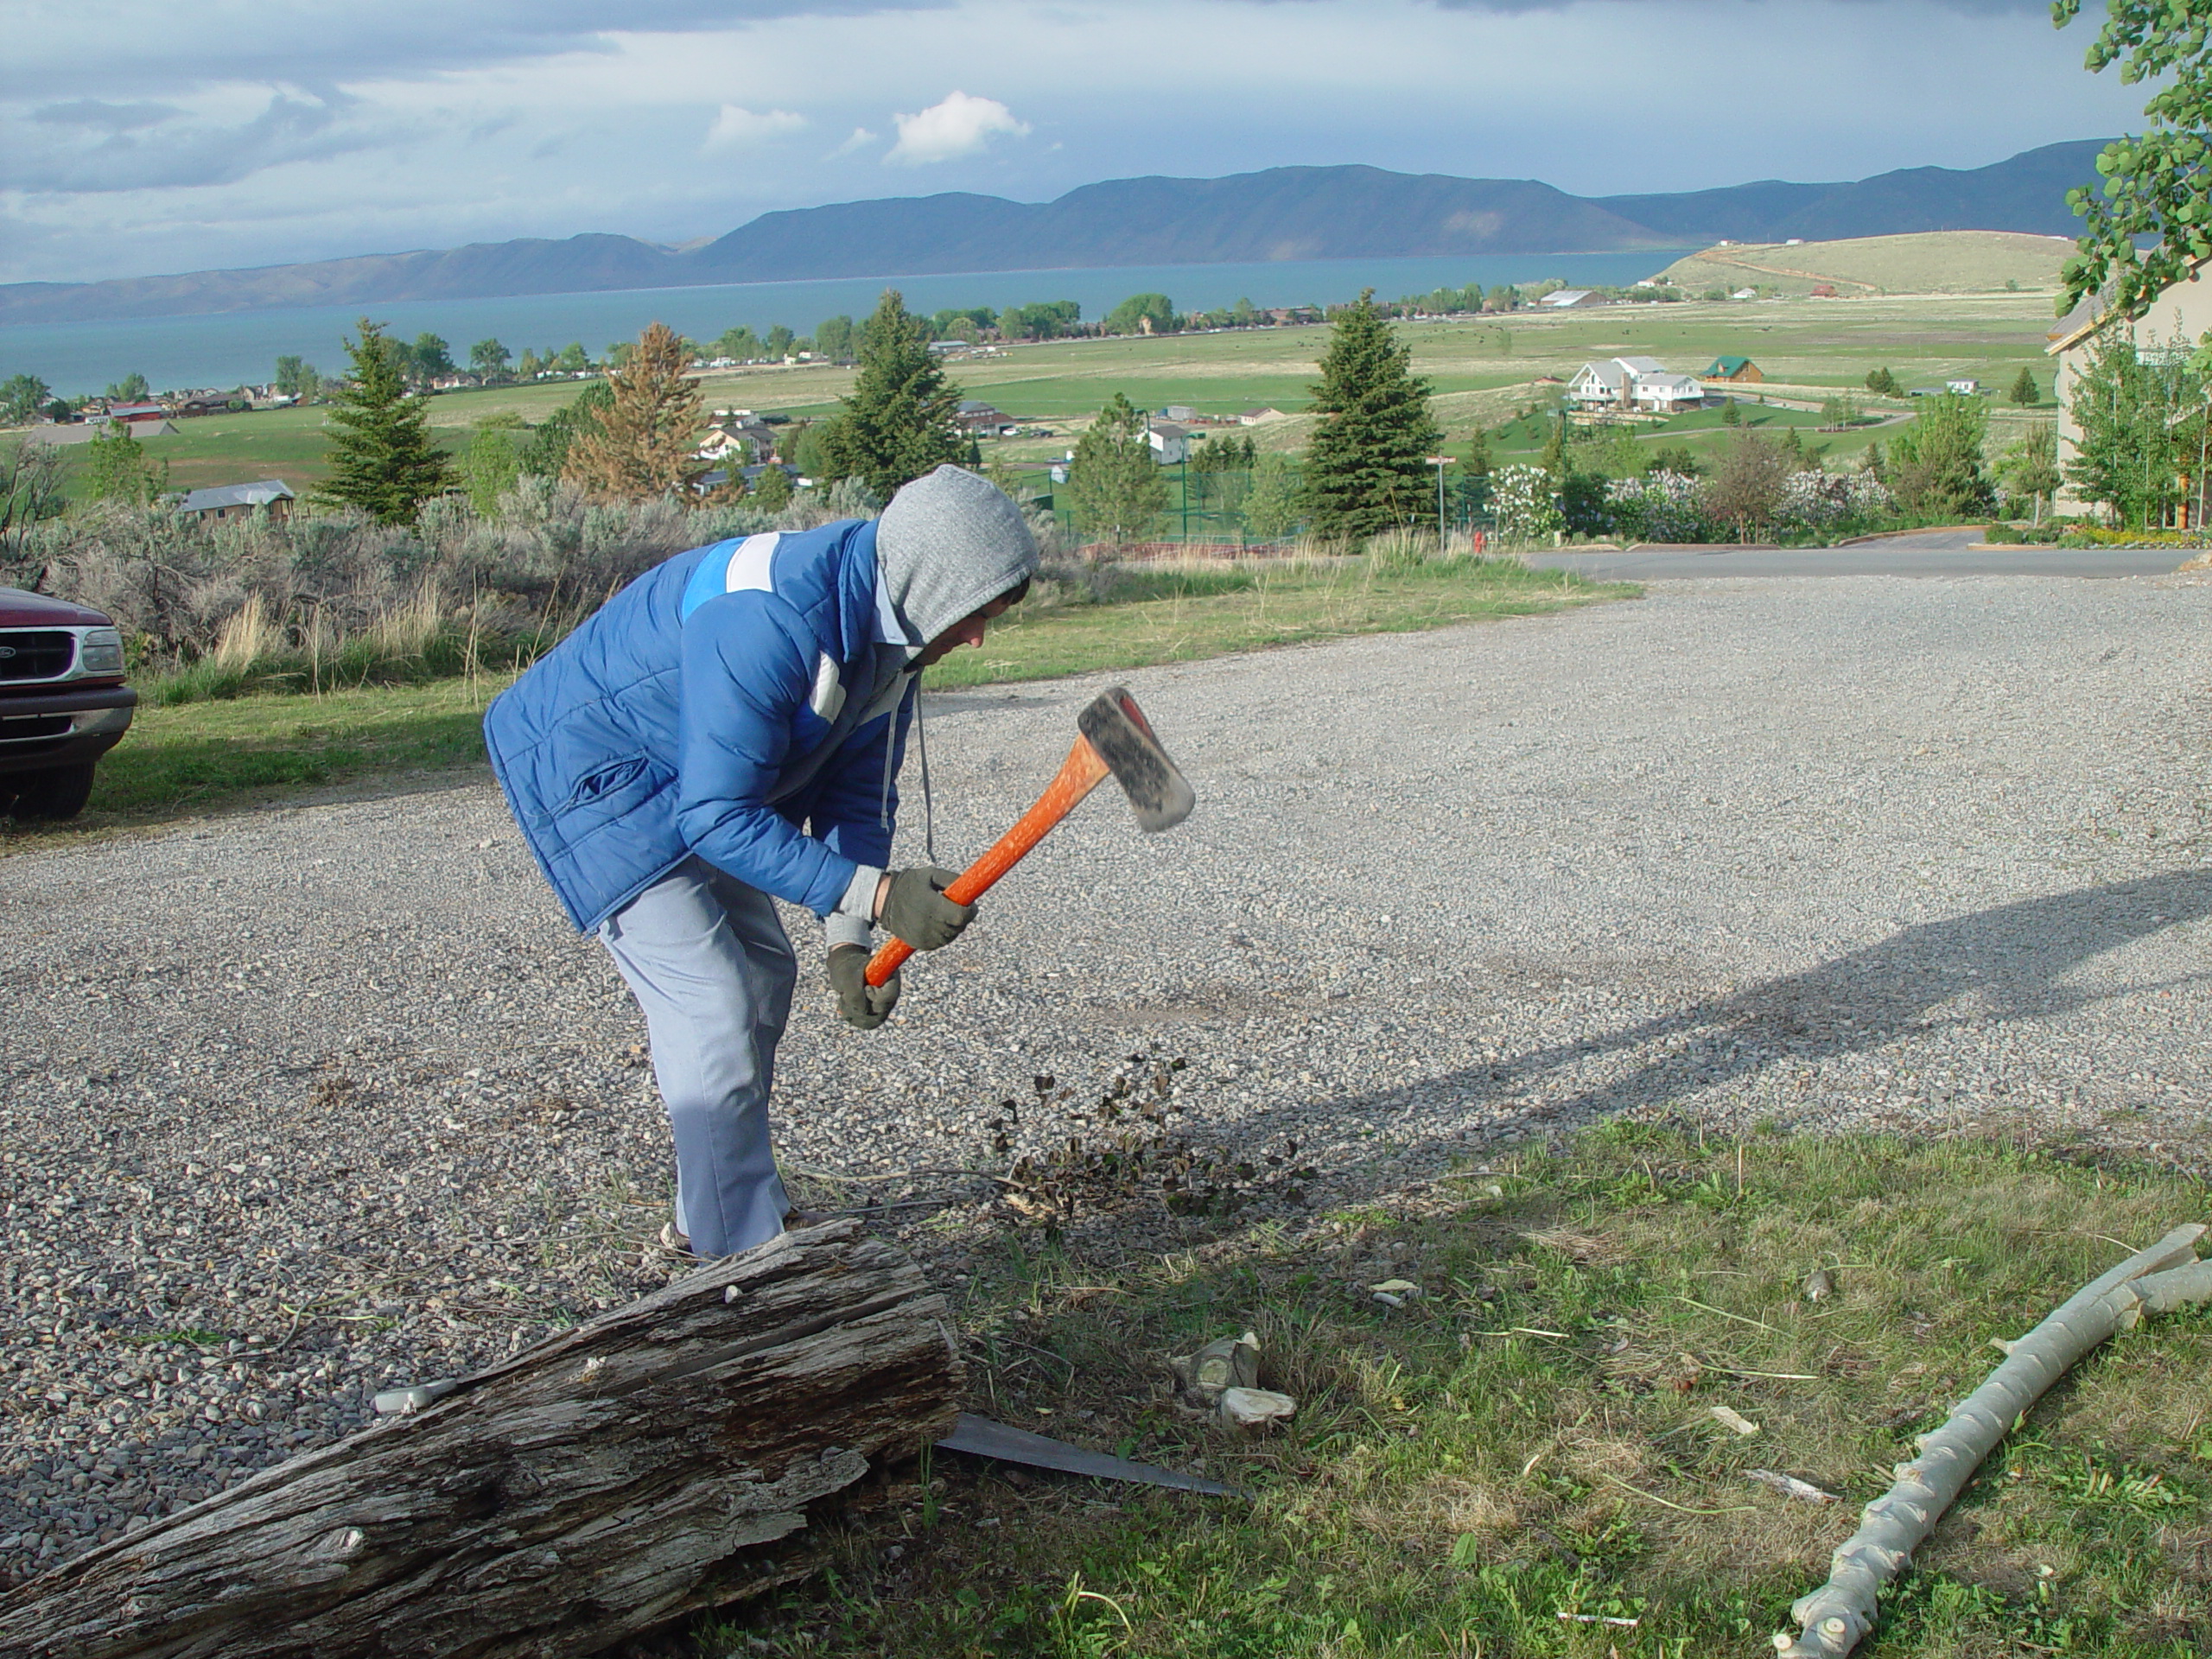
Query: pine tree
(382, 460)
(902, 420)
(1366, 469)
(2025, 391)
(771, 490)
(1116, 486)
(645, 439)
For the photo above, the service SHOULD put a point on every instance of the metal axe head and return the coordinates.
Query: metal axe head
(1113, 726)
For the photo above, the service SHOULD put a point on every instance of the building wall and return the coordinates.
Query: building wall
(2184, 310)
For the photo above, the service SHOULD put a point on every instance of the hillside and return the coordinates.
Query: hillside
(1289, 212)
(1935, 262)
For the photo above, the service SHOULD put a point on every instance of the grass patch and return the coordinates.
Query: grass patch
(196, 757)
(1182, 613)
(1534, 1437)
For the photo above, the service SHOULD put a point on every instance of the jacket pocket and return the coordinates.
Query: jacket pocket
(597, 784)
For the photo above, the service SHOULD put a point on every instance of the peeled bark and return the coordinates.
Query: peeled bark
(1835, 1618)
(660, 1458)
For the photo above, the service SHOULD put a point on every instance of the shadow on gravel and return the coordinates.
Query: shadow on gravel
(2016, 958)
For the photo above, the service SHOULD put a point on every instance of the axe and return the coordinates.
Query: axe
(1114, 741)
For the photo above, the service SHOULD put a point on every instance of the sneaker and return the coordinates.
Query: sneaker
(674, 1243)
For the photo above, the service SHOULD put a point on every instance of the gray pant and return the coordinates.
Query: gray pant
(709, 963)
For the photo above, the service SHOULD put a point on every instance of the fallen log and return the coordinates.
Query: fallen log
(658, 1459)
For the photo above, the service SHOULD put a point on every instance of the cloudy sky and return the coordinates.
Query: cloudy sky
(143, 136)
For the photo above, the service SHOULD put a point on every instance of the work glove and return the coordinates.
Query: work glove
(916, 910)
(863, 1005)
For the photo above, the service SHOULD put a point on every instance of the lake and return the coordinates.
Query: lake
(241, 348)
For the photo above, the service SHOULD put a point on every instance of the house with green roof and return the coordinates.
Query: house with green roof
(1734, 368)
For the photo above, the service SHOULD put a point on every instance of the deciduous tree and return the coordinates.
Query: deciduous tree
(1747, 483)
(297, 378)
(643, 442)
(22, 395)
(116, 469)
(2157, 184)
(488, 359)
(382, 460)
(1142, 314)
(131, 389)
(1116, 486)
(1366, 467)
(901, 419)
(2030, 466)
(1275, 504)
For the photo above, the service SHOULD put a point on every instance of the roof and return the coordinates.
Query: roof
(1729, 365)
(1565, 296)
(259, 494)
(1169, 429)
(1643, 365)
(2094, 319)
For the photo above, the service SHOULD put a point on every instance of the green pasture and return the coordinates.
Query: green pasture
(1481, 371)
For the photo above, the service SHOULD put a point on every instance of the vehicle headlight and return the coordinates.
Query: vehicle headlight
(100, 651)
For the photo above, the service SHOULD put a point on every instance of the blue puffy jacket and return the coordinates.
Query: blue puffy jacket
(740, 702)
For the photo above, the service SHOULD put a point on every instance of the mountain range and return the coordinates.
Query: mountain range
(1284, 212)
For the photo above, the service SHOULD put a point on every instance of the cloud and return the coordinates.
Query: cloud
(734, 127)
(115, 117)
(861, 139)
(959, 126)
(185, 153)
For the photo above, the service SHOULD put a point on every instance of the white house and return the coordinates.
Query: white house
(1965, 388)
(1634, 383)
(1171, 443)
(1560, 298)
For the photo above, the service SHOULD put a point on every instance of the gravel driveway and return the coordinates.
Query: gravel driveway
(301, 1102)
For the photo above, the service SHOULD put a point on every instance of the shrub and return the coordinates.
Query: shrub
(1524, 503)
(1663, 505)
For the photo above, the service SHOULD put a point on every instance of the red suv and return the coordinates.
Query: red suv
(63, 703)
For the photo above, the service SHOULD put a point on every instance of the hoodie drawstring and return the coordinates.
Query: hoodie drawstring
(929, 805)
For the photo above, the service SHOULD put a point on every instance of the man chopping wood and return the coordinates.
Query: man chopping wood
(725, 731)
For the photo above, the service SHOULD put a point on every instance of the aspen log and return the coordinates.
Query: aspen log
(661, 1459)
(1835, 1618)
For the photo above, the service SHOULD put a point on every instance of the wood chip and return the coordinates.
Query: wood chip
(1789, 1486)
(1733, 1420)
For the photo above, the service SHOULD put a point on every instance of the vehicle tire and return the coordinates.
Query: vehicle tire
(57, 792)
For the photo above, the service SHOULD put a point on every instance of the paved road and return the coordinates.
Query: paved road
(1927, 553)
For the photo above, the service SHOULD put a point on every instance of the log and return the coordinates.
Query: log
(658, 1459)
(1834, 1618)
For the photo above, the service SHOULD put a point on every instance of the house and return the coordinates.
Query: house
(1561, 299)
(2184, 313)
(981, 420)
(1183, 414)
(1964, 388)
(1741, 370)
(1171, 443)
(240, 500)
(1745, 294)
(1260, 416)
(1641, 384)
(136, 413)
(748, 442)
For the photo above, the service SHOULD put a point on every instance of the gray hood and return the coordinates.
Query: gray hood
(950, 544)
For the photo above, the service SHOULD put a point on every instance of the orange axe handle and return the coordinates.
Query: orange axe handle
(1080, 773)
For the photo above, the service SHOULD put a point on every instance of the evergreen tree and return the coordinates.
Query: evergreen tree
(1935, 464)
(2025, 391)
(1478, 461)
(902, 420)
(1732, 413)
(1116, 486)
(1882, 382)
(2030, 466)
(1366, 469)
(644, 441)
(382, 460)
(546, 454)
(771, 490)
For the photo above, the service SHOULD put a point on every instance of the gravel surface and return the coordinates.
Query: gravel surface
(297, 1104)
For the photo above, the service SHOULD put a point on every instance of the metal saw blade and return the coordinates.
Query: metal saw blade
(985, 1439)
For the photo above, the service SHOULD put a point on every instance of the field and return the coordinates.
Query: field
(1937, 262)
(1482, 373)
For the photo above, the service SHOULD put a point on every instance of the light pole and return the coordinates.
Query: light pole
(1440, 462)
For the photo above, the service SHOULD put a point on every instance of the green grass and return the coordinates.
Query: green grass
(190, 758)
(1534, 1436)
(1179, 615)
(211, 737)
(1480, 372)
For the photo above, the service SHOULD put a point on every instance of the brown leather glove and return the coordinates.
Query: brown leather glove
(864, 1006)
(916, 910)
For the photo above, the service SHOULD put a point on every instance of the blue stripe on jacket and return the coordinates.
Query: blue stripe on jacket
(681, 719)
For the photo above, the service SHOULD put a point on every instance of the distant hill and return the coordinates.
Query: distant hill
(1924, 262)
(1285, 212)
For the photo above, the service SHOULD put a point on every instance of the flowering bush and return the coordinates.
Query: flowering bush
(1813, 500)
(1526, 505)
(1660, 506)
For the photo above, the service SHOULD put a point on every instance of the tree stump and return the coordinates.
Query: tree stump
(656, 1460)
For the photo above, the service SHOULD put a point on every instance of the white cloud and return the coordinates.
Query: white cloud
(861, 139)
(734, 127)
(959, 126)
